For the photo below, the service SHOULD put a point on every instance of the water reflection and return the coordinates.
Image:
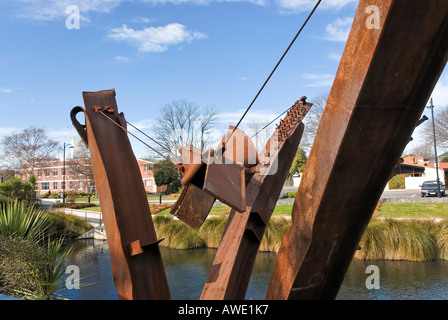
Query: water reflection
(187, 271)
(399, 280)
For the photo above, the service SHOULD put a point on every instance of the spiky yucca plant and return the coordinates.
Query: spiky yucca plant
(40, 278)
(19, 219)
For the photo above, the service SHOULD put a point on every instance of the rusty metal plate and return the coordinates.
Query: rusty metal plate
(193, 206)
(226, 183)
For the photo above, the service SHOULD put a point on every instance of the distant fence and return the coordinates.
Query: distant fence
(95, 218)
(414, 200)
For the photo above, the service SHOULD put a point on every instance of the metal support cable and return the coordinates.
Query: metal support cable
(275, 68)
(147, 136)
(124, 129)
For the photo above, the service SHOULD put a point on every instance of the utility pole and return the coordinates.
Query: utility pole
(431, 106)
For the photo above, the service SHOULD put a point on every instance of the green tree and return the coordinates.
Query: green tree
(444, 159)
(166, 175)
(298, 164)
(17, 189)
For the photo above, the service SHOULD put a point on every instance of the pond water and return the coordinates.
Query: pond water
(187, 271)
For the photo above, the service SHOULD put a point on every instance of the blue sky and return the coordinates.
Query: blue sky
(213, 53)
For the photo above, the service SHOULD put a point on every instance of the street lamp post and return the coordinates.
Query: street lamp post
(63, 173)
(431, 106)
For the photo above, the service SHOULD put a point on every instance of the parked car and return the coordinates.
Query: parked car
(429, 188)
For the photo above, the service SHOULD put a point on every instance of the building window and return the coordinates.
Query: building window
(63, 185)
(47, 172)
(45, 186)
(39, 172)
(72, 185)
(55, 186)
(55, 172)
(80, 185)
(147, 167)
(148, 182)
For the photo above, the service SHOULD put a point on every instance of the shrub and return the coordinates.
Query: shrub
(291, 194)
(55, 195)
(71, 196)
(45, 195)
(397, 182)
(16, 189)
(29, 267)
(22, 264)
(66, 225)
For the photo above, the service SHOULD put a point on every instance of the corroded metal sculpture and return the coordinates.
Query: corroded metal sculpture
(383, 83)
(387, 73)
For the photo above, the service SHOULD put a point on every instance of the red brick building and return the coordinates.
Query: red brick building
(78, 177)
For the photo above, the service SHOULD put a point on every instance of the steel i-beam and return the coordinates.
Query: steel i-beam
(230, 274)
(393, 58)
(137, 267)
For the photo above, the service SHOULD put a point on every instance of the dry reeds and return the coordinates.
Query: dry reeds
(392, 239)
(384, 239)
(178, 235)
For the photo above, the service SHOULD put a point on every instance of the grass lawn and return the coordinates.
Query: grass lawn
(95, 209)
(387, 210)
(414, 210)
(282, 210)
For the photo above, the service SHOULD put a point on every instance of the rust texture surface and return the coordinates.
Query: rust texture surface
(383, 83)
(137, 266)
(230, 274)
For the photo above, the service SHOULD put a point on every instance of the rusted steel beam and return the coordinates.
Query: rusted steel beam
(137, 266)
(383, 83)
(230, 274)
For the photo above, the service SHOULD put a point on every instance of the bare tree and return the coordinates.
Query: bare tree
(441, 127)
(259, 133)
(80, 167)
(312, 121)
(424, 149)
(183, 123)
(27, 148)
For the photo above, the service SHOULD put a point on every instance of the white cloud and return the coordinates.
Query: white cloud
(202, 2)
(318, 79)
(141, 20)
(49, 10)
(294, 6)
(440, 92)
(335, 56)
(339, 30)
(121, 58)
(8, 89)
(232, 118)
(155, 39)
